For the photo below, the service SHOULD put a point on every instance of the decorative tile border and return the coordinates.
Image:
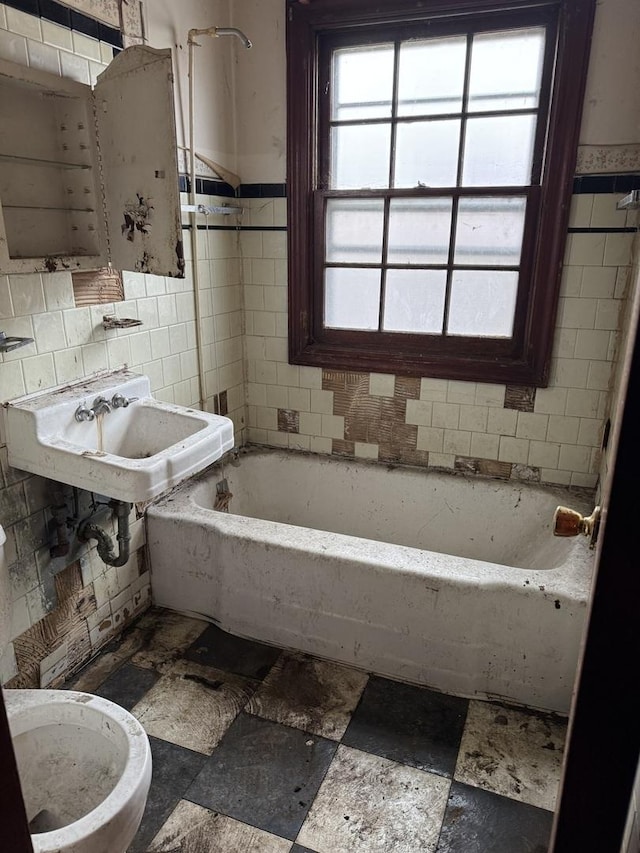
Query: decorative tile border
(596, 159)
(104, 27)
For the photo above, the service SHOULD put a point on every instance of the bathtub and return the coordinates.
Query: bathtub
(431, 578)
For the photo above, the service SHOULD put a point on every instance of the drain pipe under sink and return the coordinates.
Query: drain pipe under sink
(88, 530)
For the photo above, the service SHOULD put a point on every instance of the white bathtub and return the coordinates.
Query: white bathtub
(436, 579)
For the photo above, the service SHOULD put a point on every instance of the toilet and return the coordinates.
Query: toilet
(84, 762)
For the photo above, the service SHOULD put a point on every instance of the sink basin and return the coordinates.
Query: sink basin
(132, 453)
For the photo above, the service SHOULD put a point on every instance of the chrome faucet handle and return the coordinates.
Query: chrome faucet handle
(101, 406)
(119, 401)
(84, 414)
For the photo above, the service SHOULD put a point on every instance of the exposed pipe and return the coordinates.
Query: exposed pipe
(89, 530)
(213, 32)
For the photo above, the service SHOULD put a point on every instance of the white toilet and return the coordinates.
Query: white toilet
(84, 762)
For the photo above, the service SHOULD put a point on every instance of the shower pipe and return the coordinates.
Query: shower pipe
(213, 32)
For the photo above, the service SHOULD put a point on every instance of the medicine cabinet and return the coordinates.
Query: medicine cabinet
(89, 177)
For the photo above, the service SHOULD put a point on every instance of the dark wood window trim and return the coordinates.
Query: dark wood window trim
(523, 359)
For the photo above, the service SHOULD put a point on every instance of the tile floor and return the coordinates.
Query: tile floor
(258, 750)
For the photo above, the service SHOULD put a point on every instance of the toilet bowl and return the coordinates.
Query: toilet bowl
(85, 770)
(84, 764)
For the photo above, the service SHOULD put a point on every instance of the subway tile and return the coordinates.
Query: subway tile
(571, 281)
(430, 438)
(6, 308)
(39, 372)
(322, 402)
(586, 250)
(587, 481)
(27, 294)
(23, 24)
(381, 384)
(456, 442)
(590, 432)
(320, 444)
(618, 250)
(434, 390)
(488, 394)
(532, 426)
(577, 313)
(563, 430)
(573, 458)
(582, 403)
(560, 478)
(543, 454)
(43, 57)
(363, 450)
(551, 401)
(484, 446)
(311, 424)
(266, 418)
(502, 421)
(300, 399)
(56, 35)
(277, 396)
(75, 67)
(592, 343)
(461, 392)
(68, 364)
(419, 412)
(256, 394)
(474, 418)
(311, 377)
(581, 210)
(604, 213)
(14, 48)
(445, 415)
(332, 426)
(48, 330)
(513, 450)
(276, 350)
(608, 314)
(599, 282)
(94, 357)
(599, 377)
(288, 374)
(442, 460)
(569, 373)
(564, 343)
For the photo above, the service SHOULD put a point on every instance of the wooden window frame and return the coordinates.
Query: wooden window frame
(522, 359)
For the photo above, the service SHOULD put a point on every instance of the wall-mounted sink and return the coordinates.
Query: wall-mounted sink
(130, 446)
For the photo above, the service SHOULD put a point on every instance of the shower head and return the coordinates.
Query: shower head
(216, 32)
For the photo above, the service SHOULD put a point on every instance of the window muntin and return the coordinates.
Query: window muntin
(435, 112)
(515, 349)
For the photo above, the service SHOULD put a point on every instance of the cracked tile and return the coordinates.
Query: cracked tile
(167, 635)
(310, 694)
(369, 804)
(512, 752)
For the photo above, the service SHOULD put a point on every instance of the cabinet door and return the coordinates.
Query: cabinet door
(136, 135)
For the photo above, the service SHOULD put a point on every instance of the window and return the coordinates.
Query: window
(431, 156)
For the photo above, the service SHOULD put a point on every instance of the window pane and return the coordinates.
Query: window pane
(354, 230)
(482, 303)
(362, 82)
(351, 298)
(427, 154)
(506, 69)
(360, 156)
(419, 230)
(431, 76)
(498, 151)
(489, 231)
(414, 301)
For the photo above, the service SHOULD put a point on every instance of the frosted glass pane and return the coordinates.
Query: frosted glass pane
(489, 231)
(362, 82)
(427, 154)
(506, 69)
(354, 230)
(414, 301)
(498, 151)
(419, 230)
(431, 76)
(360, 156)
(482, 303)
(351, 298)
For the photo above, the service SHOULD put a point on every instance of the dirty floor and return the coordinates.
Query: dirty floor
(258, 750)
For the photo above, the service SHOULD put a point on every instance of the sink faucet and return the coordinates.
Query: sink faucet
(101, 406)
(84, 414)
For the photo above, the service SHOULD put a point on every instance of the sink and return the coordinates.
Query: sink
(132, 453)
